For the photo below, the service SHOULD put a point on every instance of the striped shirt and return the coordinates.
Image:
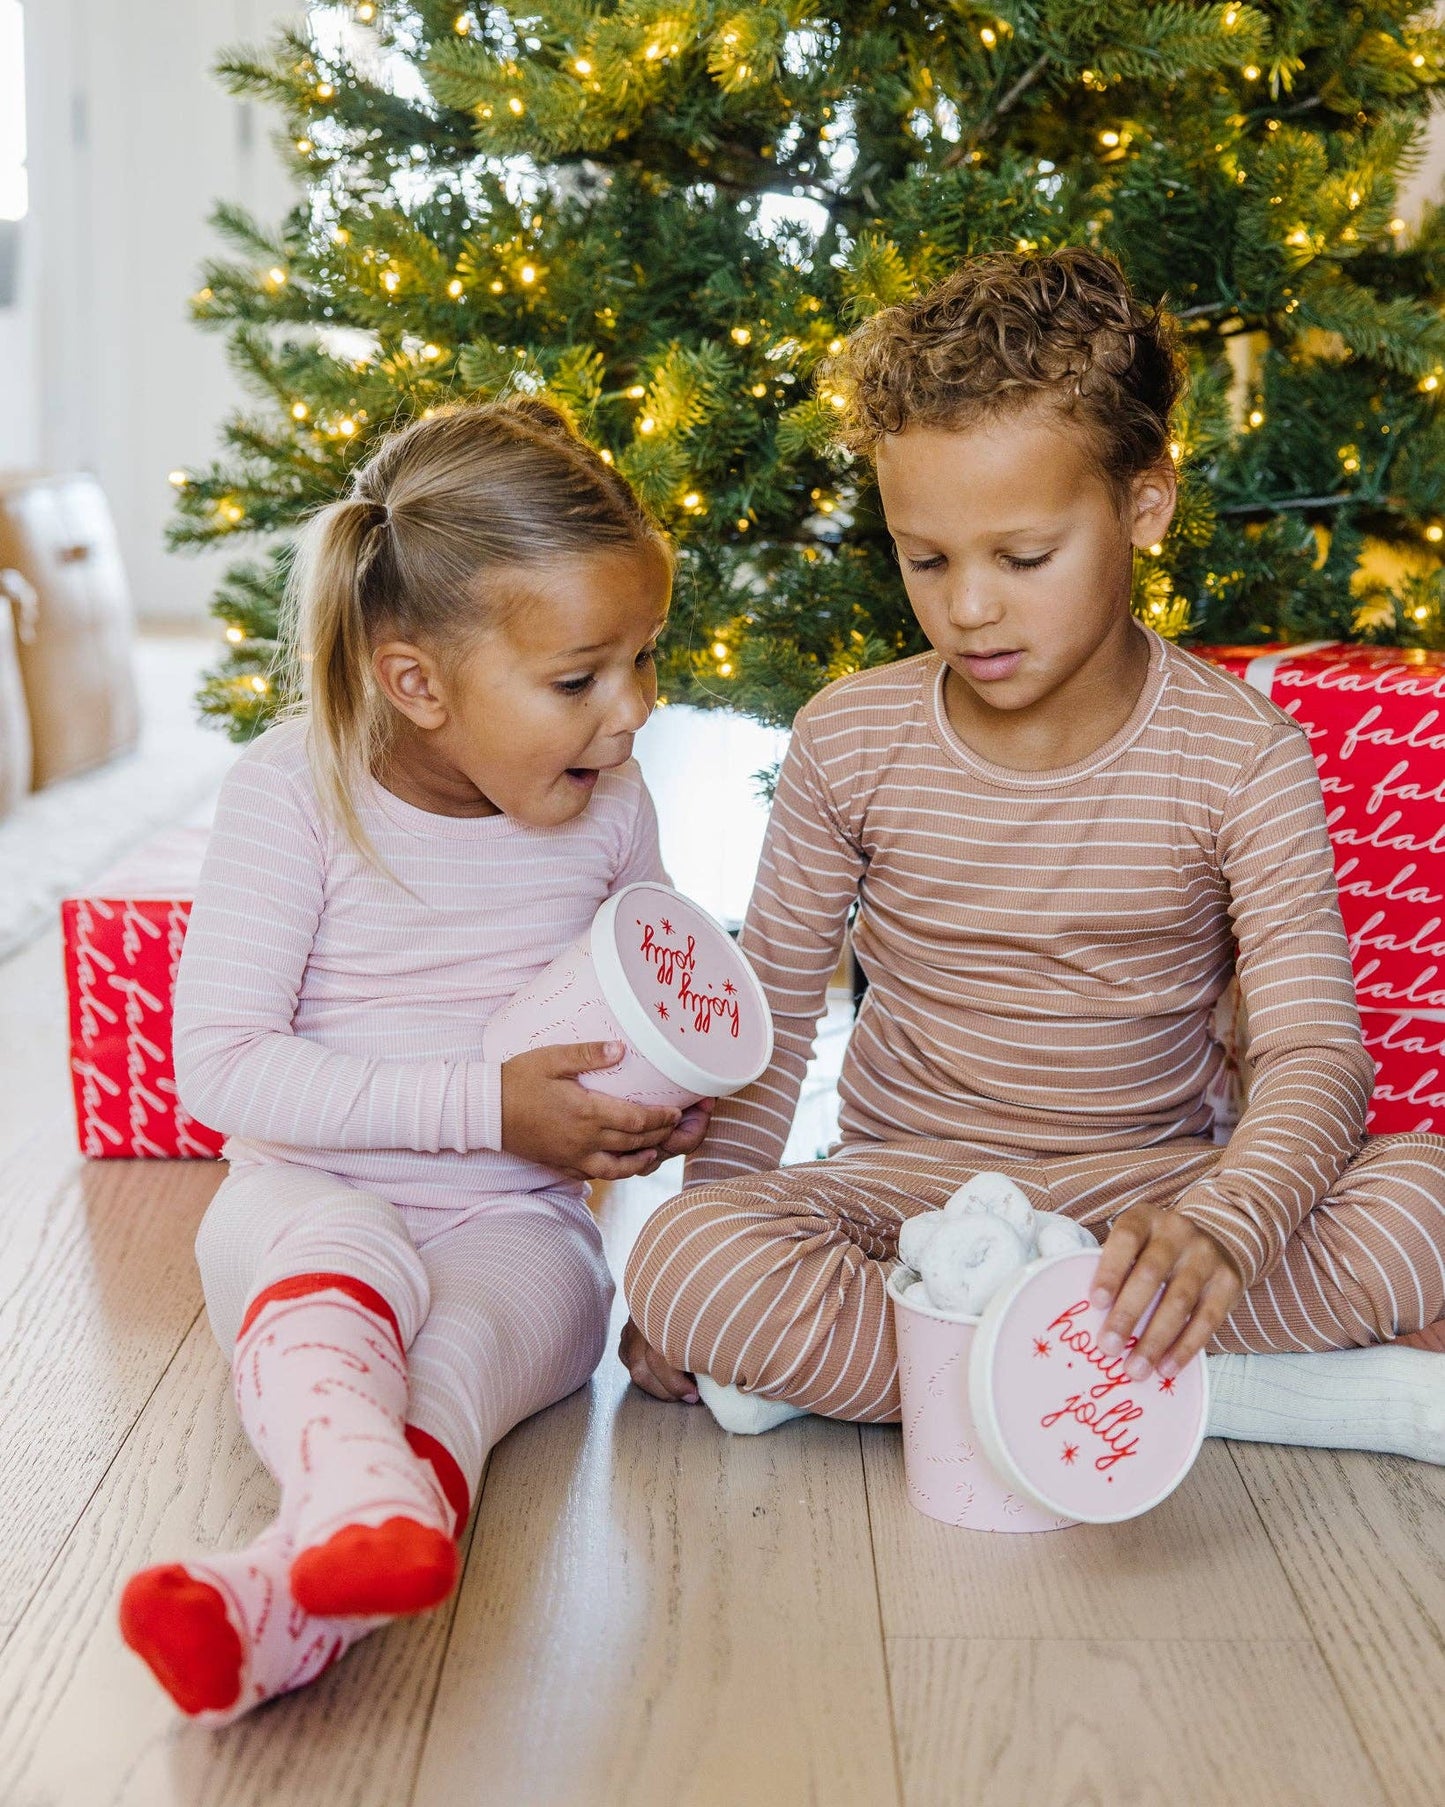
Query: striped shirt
(330, 1016)
(1044, 949)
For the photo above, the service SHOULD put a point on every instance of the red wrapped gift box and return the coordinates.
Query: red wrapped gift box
(122, 944)
(1375, 717)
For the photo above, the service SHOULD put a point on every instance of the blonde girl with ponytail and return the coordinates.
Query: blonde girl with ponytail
(401, 1264)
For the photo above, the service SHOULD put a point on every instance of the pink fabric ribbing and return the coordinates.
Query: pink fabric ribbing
(330, 1015)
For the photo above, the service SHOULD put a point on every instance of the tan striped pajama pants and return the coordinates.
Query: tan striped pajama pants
(775, 1281)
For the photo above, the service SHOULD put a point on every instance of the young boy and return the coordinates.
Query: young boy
(1062, 835)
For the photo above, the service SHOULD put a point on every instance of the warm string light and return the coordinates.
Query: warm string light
(177, 479)
(235, 635)
(740, 335)
(299, 411)
(455, 288)
(1435, 532)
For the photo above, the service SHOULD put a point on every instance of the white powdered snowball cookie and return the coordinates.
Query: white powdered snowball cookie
(917, 1294)
(1062, 1236)
(996, 1194)
(915, 1235)
(969, 1259)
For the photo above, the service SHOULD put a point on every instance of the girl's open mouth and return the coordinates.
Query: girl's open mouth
(585, 775)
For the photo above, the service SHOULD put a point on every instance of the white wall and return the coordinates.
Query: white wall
(131, 144)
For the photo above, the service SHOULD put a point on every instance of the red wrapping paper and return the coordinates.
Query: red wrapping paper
(1375, 718)
(122, 944)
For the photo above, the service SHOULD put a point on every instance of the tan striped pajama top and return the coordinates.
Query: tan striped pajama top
(1045, 949)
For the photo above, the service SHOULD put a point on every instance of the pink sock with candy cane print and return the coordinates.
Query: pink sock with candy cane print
(321, 1386)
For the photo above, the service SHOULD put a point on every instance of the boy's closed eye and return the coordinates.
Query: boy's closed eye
(1013, 561)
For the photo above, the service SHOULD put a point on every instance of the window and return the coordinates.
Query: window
(14, 196)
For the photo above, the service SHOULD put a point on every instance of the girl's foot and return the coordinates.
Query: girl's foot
(223, 1633)
(321, 1386)
(1387, 1399)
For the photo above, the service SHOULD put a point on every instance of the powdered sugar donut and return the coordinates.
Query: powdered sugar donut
(996, 1194)
(915, 1235)
(969, 1259)
(1056, 1235)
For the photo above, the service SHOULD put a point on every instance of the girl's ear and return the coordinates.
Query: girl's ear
(1155, 493)
(411, 682)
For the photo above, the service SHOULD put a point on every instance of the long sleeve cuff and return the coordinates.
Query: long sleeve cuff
(482, 1095)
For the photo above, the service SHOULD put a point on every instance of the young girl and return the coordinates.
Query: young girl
(1061, 834)
(402, 1264)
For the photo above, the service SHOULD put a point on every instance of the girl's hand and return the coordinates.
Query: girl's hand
(548, 1117)
(652, 1372)
(1149, 1248)
(691, 1129)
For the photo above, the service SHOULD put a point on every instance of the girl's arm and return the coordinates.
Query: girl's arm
(807, 882)
(239, 1066)
(1312, 1076)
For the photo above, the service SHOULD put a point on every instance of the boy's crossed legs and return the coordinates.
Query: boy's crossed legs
(379, 1355)
(776, 1283)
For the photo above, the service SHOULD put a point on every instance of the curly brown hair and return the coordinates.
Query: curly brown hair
(1010, 330)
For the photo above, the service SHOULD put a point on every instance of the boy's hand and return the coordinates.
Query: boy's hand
(548, 1117)
(652, 1372)
(1149, 1248)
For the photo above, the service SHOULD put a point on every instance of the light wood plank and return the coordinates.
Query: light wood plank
(655, 1613)
(82, 1723)
(1363, 1540)
(33, 1037)
(1058, 1724)
(98, 1286)
(1199, 1566)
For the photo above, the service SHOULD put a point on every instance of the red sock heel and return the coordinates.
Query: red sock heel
(180, 1629)
(397, 1567)
(394, 1568)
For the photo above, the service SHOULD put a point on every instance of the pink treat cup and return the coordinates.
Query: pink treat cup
(946, 1473)
(658, 974)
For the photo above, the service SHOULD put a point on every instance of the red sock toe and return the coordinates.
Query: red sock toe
(179, 1627)
(397, 1567)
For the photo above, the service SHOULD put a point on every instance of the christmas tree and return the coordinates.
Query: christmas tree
(664, 214)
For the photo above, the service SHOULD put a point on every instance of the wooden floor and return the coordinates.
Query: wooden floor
(655, 1614)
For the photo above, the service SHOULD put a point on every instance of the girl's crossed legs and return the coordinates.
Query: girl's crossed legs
(775, 1283)
(379, 1353)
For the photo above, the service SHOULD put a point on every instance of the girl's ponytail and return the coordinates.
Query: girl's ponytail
(334, 559)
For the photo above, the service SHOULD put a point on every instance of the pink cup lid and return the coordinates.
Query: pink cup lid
(1060, 1419)
(681, 990)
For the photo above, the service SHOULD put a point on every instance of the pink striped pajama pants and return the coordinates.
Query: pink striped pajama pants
(502, 1302)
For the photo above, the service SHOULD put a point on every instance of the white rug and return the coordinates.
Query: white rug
(61, 838)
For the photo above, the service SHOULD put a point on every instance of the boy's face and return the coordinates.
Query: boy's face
(1016, 553)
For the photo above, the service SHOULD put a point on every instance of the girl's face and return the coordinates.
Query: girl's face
(1017, 554)
(528, 717)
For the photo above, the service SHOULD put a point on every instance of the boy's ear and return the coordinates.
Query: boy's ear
(411, 681)
(1155, 493)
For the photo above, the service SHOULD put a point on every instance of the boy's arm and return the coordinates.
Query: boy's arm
(239, 1065)
(807, 883)
(1312, 1076)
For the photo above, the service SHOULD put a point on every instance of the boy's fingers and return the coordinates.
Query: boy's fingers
(1221, 1294)
(1181, 1297)
(1120, 1251)
(1147, 1275)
